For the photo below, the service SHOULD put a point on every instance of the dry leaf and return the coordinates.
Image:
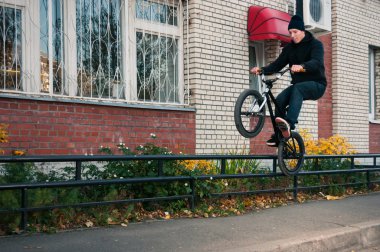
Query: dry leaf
(110, 221)
(329, 197)
(167, 216)
(89, 224)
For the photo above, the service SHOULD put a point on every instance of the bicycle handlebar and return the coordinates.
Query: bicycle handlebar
(261, 72)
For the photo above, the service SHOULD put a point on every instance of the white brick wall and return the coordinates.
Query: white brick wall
(219, 68)
(355, 26)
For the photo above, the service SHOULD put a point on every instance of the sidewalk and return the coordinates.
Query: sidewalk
(349, 224)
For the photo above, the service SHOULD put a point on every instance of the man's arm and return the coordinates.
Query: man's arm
(317, 58)
(279, 63)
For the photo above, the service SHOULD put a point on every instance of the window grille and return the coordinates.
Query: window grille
(11, 48)
(115, 50)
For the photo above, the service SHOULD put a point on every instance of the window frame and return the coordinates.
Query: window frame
(260, 59)
(373, 88)
(30, 65)
(152, 28)
(129, 25)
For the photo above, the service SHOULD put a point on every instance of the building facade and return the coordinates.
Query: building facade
(75, 75)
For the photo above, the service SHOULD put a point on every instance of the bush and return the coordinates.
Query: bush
(41, 221)
(334, 145)
(3, 135)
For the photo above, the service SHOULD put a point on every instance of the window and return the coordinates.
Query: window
(11, 48)
(51, 47)
(255, 59)
(125, 50)
(157, 53)
(99, 49)
(374, 83)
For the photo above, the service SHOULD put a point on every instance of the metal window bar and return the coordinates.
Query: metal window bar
(11, 48)
(100, 73)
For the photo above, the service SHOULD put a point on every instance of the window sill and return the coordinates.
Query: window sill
(116, 103)
(374, 121)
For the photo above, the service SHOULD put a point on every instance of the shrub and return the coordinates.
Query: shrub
(334, 145)
(3, 135)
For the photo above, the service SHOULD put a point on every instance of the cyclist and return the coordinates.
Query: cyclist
(305, 57)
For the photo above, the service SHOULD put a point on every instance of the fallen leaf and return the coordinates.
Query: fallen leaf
(110, 221)
(89, 224)
(329, 197)
(167, 216)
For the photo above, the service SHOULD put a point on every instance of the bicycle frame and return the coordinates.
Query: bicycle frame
(268, 96)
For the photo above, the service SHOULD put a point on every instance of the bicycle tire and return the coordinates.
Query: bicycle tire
(291, 154)
(248, 122)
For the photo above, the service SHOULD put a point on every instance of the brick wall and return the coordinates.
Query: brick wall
(44, 128)
(218, 68)
(374, 138)
(325, 103)
(355, 27)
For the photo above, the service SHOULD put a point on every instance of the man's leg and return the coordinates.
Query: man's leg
(309, 90)
(282, 101)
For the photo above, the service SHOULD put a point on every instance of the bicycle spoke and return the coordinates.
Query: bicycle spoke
(291, 154)
(249, 115)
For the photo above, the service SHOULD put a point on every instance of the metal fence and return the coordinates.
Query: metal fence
(370, 167)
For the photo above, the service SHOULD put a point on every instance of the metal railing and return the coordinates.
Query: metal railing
(24, 208)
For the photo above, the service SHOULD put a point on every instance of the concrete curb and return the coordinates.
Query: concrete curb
(348, 238)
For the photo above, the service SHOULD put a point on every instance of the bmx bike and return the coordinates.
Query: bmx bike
(249, 115)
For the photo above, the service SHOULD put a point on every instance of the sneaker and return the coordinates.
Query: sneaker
(272, 141)
(284, 127)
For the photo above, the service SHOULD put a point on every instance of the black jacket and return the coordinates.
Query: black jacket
(309, 53)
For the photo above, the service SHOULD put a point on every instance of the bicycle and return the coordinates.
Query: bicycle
(249, 115)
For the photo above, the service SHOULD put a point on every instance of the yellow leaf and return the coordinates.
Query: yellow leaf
(167, 216)
(329, 197)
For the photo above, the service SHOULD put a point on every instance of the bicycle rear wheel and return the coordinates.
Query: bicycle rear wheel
(249, 119)
(291, 154)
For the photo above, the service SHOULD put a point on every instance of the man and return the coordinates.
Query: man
(304, 55)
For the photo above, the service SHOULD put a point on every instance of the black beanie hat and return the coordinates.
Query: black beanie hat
(296, 23)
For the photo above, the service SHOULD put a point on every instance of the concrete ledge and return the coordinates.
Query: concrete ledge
(347, 238)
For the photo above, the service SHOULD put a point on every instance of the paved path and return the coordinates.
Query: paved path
(349, 224)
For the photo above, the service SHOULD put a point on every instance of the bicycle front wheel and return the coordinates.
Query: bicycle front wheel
(249, 118)
(291, 154)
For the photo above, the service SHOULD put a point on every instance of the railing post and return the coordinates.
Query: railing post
(24, 212)
(78, 170)
(368, 180)
(223, 166)
(160, 167)
(352, 163)
(316, 164)
(274, 165)
(192, 201)
(295, 188)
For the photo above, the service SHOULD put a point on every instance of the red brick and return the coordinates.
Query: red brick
(75, 128)
(374, 138)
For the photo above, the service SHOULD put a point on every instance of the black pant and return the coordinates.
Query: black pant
(290, 100)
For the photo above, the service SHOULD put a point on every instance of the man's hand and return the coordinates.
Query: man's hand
(297, 68)
(255, 70)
